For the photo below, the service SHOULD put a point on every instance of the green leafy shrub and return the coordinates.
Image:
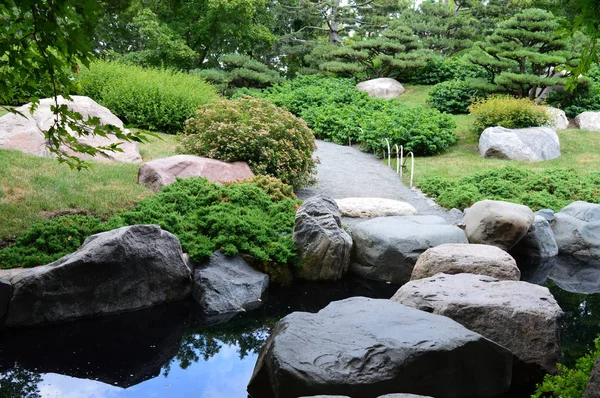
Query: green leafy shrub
(156, 99)
(453, 96)
(507, 112)
(585, 99)
(552, 188)
(272, 140)
(335, 110)
(569, 382)
(439, 70)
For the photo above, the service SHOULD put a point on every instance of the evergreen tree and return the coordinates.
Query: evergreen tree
(524, 53)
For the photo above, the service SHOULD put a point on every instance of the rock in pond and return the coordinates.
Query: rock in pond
(374, 207)
(558, 118)
(517, 315)
(364, 347)
(577, 231)
(157, 173)
(228, 284)
(593, 388)
(26, 134)
(120, 270)
(387, 248)
(5, 293)
(575, 276)
(383, 87)
(466, 258)
(588, 121)
(497, 223)
(322, 244)
(538, 242)
(533, 144)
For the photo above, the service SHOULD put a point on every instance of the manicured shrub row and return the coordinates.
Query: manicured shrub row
(453, 96)
(155, 99)
(509, 112)
(270, 139)
(336, 111)
(237, 218)
(553, 188)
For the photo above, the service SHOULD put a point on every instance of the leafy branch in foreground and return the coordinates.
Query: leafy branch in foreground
(47, 40)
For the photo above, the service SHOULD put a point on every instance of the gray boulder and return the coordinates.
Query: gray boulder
(157, 173)
(538, 242)
(228, 285)
(533, 144)
(517, 315)
(383, 87)
(364, 347)
(577, 231)
(322, 244)
(387, 248)
(120, 270)
(576, 276)
(593, 388)
(466, 258)
(558, 118)
(548, 214)
(588, 121)
(497, 223)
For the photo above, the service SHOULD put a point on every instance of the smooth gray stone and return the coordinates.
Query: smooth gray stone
(364, 347)
(593, 388)
(548, 214)
(576, 276)
(532, 144)
(228, 285)
(577, 231)
(120, 270)
(538, 242)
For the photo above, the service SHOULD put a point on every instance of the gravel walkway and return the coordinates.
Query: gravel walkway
(346, 172)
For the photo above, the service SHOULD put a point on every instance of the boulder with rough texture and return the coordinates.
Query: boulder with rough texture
(533, 144)
(383, 87)
(577, 231)
(374, 207)
(558, 118)
(593, 388)
(466, 258)
(588, 121)
(155, 174)
(228, 284)
(120, 270)
(26, 134)
(364, 347)
(517, 315)
(538, 242)
(322, 244)
(497, 223)
(387, 248)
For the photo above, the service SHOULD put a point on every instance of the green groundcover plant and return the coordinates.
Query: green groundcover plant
(236, 219)
(553, 188)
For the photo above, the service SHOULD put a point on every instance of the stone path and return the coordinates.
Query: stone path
(346, 172)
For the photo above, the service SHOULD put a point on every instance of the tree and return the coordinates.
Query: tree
(524, 53)
(393, 53)
(48, 40)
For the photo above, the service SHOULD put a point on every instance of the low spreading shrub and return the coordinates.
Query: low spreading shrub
(439, 70)
(276, 189)
(453, 96)
(156, 99)
(569, 382)
(270, 139)
(237, 218)
(335, 110)
(507, 112)
(553, 188)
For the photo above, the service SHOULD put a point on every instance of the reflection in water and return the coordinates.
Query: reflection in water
(18, 382)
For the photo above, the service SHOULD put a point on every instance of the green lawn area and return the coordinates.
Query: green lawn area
(580, 149)
(32, 188)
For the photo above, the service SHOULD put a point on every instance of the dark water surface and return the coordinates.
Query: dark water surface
(171, 351)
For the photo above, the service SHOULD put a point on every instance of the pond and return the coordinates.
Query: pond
(171, 351)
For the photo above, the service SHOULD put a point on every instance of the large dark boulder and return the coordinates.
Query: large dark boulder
(538, 242)
(577, 231)
(5, 293)
(228, 285)
(322, 244)
(366, 348)
(120, 270)
(517, 315)
(593, 387)
(387, 248)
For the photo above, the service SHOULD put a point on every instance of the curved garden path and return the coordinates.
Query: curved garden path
(346, 172)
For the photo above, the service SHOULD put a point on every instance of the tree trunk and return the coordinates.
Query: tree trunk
(334, 25)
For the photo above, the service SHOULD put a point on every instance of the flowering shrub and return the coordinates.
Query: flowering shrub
(270, 139)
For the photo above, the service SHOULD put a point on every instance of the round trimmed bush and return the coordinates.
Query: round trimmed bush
(508, 112)
(453, 96)
(270, 139)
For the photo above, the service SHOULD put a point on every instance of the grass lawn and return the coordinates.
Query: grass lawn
(580, 149)
(32, 187)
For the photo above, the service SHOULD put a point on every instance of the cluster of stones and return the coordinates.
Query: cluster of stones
(461, 324)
